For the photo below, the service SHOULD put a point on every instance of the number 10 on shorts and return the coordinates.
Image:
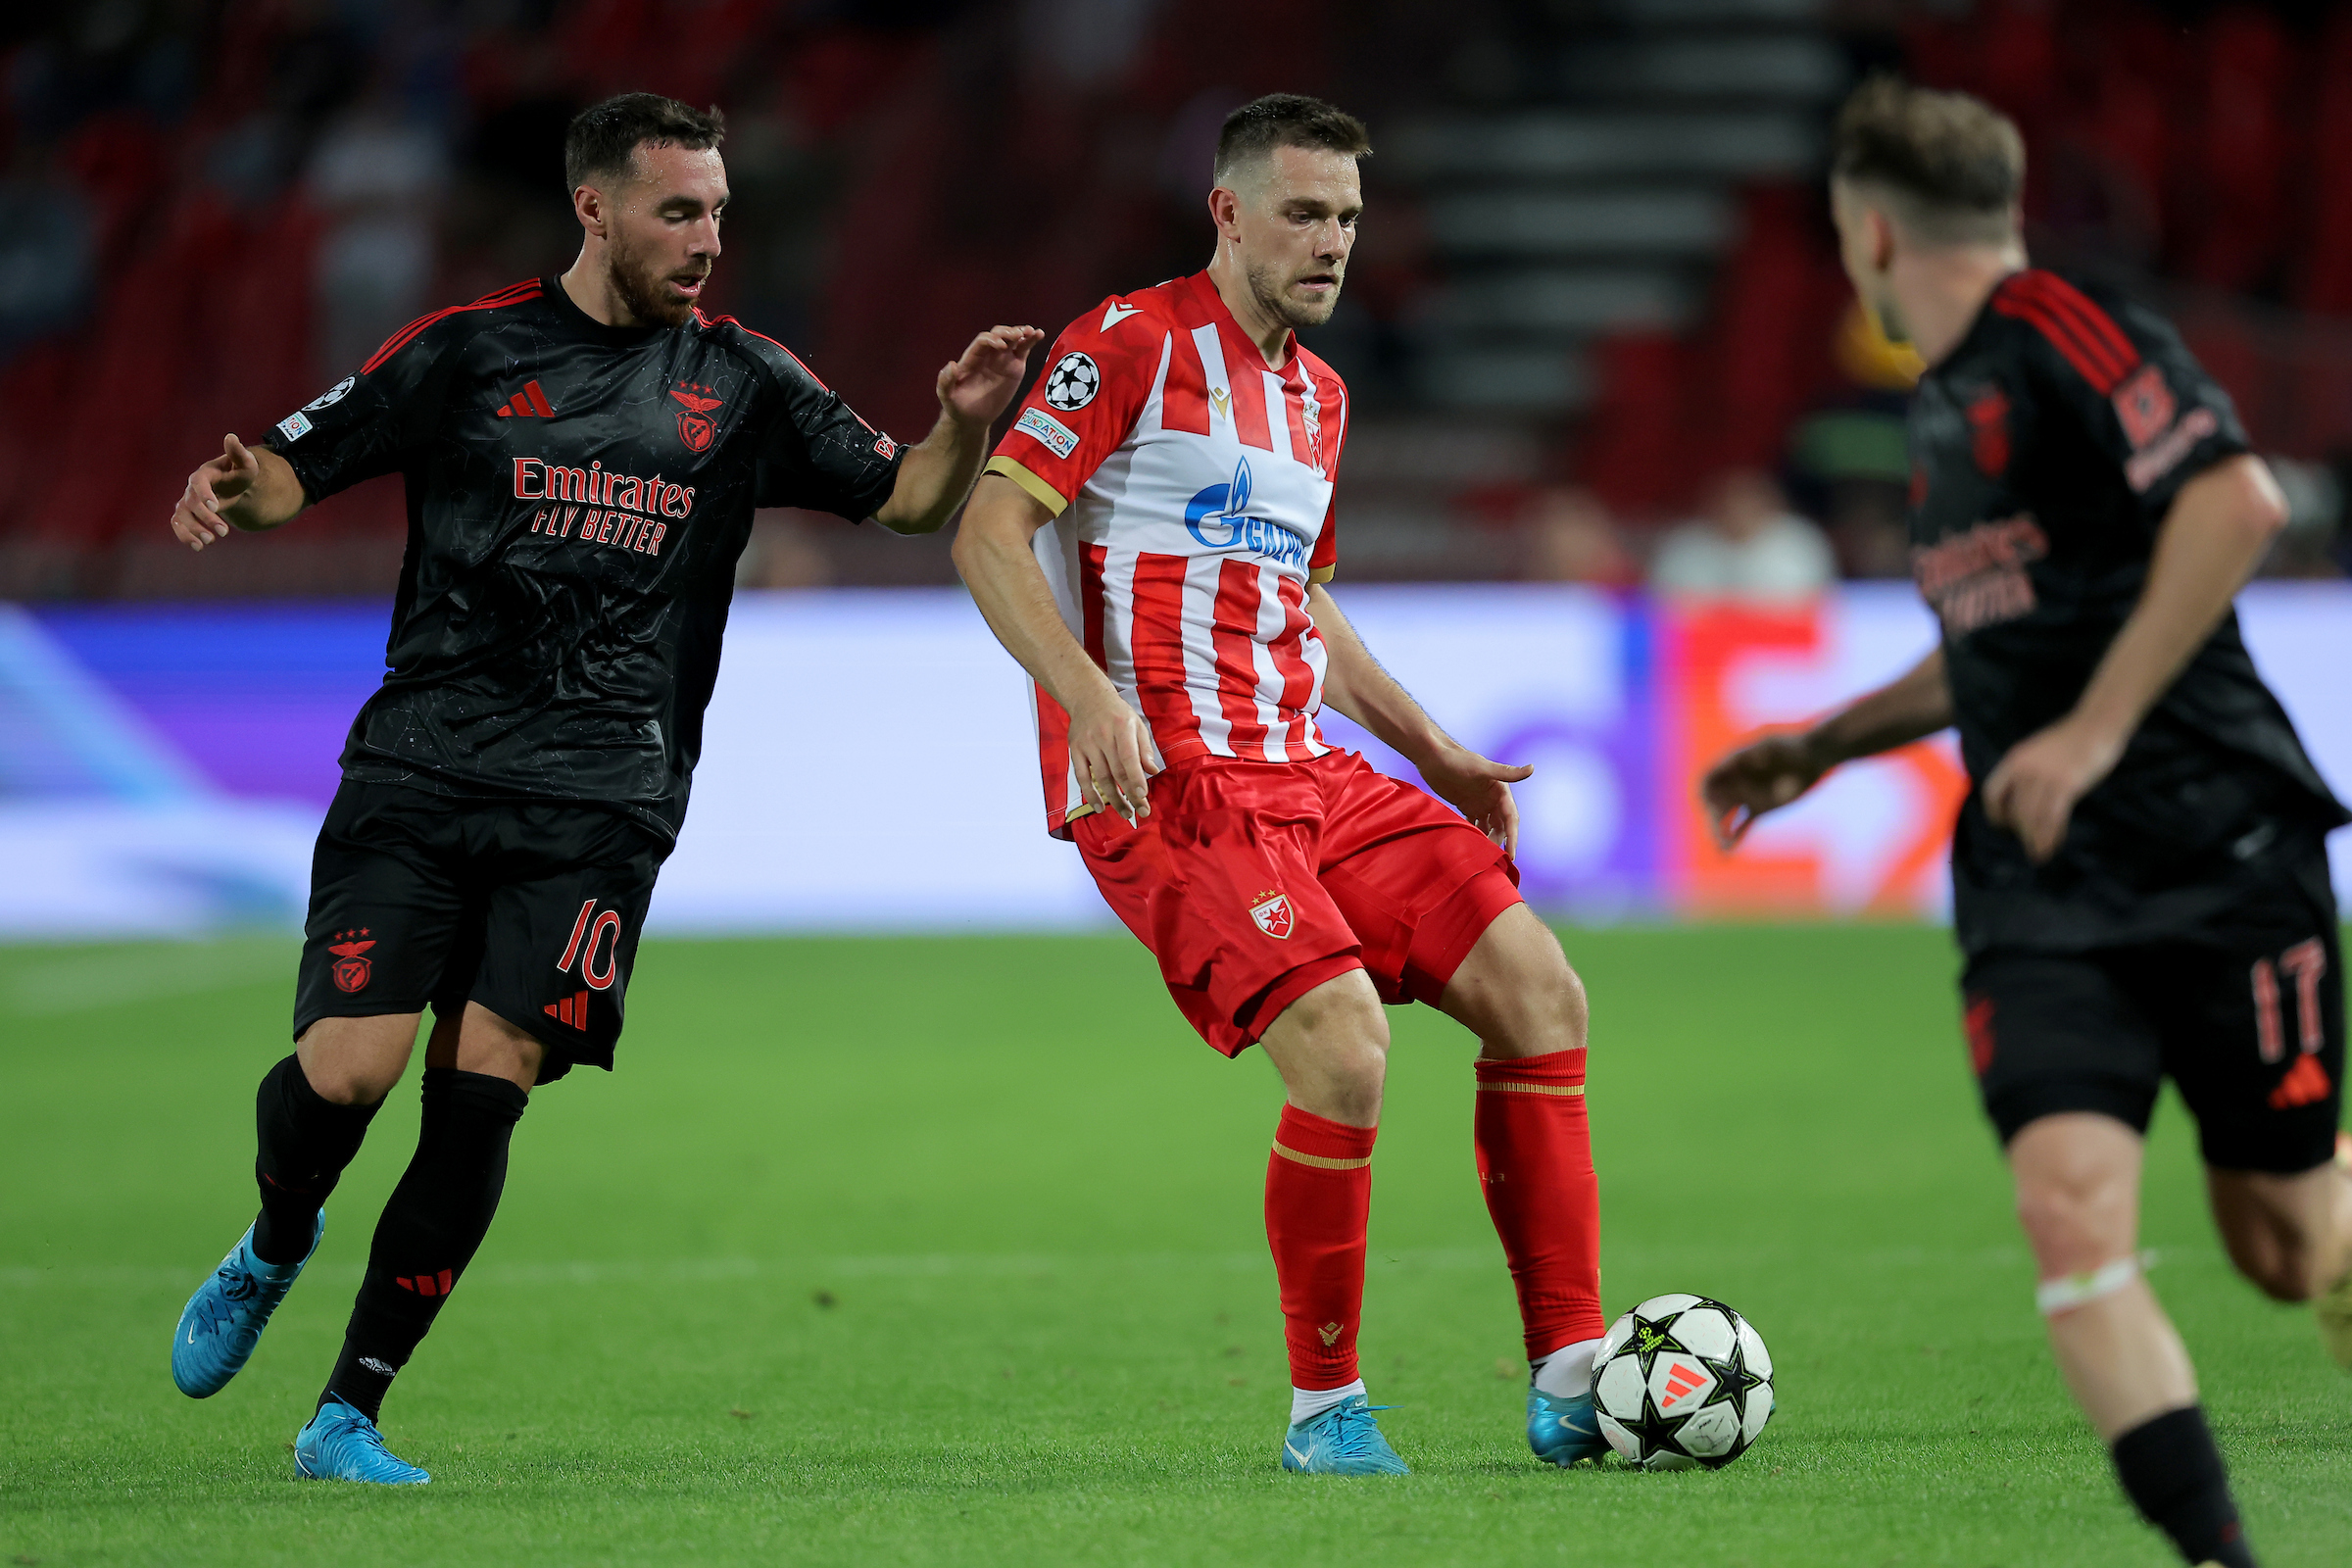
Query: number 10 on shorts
(594, 938)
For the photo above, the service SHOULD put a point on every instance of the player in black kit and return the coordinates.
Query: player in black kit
(582, 455)
(2139, 879)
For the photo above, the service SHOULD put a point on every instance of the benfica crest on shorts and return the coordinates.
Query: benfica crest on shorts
(1273, 916)
(694, 426)
(352, 968)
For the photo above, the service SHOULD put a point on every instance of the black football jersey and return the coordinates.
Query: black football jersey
(578, 495)
(2047, 450)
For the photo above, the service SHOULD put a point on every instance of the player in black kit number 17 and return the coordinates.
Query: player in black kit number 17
(582, 455)
(2139, 877)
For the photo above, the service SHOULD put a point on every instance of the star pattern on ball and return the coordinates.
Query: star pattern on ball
(1733, 1380)
(1656, 1433)
(1651, 1339)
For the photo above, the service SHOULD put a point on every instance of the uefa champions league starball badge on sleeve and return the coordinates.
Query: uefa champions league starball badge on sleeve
(1681, 1382)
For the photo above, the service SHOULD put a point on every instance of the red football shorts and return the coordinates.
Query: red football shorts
(1252, 883)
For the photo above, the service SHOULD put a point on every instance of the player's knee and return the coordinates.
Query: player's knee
(1525, 1001)
(354, 1062)
(1546, 1012)
(1340, 1014)
(1568, 1006)
(349, 1084)
(2072, 1224)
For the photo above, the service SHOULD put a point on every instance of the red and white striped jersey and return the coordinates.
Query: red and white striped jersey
(1190, 487)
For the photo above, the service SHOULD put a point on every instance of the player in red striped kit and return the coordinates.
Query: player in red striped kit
(1153, 541)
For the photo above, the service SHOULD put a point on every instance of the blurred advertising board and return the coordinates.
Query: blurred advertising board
(869, 765)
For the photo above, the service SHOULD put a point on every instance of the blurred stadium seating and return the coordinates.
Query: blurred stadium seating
(1595, 251)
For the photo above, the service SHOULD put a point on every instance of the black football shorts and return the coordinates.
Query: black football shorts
(530, 908)
(2247, 1019)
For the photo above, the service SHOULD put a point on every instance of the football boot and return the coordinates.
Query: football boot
(1343, 1441)
(223, 1320)
(342, 1445)
(1563, 1430)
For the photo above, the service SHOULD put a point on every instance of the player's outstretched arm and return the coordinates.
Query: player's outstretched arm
(242, 488)
(1768, 773)
(1354, 682)
(938, 473)
(1110, 746)
(2213, 538)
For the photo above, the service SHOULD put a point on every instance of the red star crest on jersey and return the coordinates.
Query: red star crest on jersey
(695, 427)
(352, 968)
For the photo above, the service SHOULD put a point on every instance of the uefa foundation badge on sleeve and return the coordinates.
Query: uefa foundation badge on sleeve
(1273, 915)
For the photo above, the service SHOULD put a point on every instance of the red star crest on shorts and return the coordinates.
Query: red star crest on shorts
(1273, 915)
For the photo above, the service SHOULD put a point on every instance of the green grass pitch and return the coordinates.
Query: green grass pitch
(949, 1250)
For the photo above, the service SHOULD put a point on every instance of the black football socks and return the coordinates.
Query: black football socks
(303, 1142)
(2171, 1470)
(431, 1228)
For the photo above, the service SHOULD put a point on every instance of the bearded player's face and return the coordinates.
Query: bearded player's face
(662, 237)
(1295, 216)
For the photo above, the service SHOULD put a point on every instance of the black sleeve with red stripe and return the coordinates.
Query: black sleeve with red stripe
(381, 419)
(2142, 398)
(816, 453)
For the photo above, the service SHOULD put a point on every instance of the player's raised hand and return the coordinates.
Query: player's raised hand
(1480, 788)
(1113, 754)
(977, 387)
(1761, 776)
(2033, 790)
(197, 520)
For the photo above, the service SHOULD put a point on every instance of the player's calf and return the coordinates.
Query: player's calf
(2290, 1235)
(1533, 1146)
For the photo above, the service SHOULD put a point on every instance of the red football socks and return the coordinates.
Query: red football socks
(1318, 1201)
(1534, 1161)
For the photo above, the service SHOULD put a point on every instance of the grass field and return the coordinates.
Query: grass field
(949, 1252)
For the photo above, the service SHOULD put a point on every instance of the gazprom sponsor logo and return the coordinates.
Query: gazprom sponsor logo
(1219, 517)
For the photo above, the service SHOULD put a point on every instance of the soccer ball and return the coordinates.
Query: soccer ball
(1682, 1381)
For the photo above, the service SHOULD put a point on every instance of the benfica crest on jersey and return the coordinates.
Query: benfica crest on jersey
(1273, 916)
(694, 426)
(352, 968)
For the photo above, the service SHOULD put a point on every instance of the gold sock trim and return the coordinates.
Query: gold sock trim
(1531, 1089)
(1322, 1161)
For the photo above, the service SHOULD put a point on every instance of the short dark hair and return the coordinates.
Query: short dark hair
(1955, 164)
(603, 139)
(1286, 120)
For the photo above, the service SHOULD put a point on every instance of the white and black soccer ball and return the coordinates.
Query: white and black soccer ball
(1682, 1381)
(1073, 382)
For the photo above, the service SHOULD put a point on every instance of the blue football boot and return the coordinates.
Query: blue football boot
(1343, 1441)
(1563, 1431)
(223, 1320)
(342, 1445)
